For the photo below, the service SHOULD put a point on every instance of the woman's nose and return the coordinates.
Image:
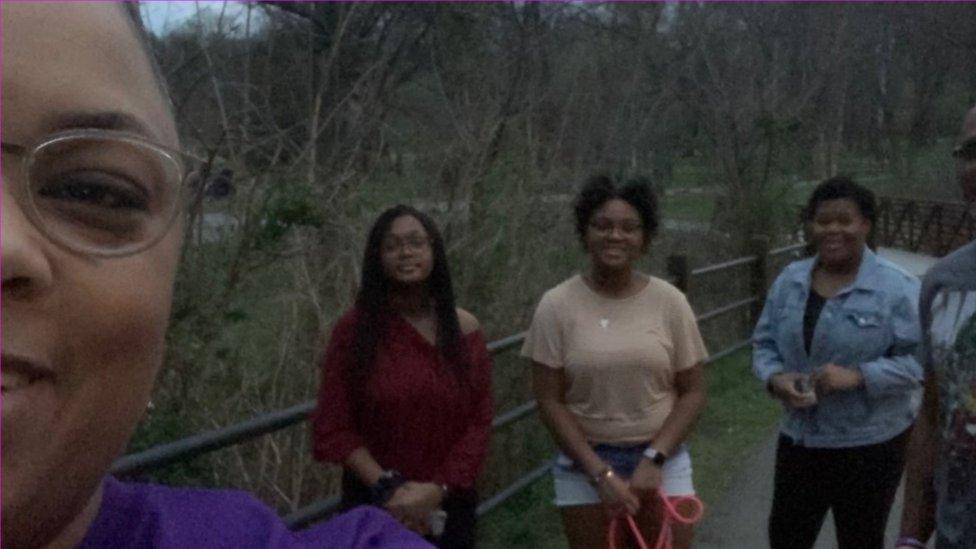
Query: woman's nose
(26, 267)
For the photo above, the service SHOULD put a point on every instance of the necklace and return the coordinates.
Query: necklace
(605, 323)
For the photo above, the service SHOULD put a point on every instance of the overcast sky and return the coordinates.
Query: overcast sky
(162, 17)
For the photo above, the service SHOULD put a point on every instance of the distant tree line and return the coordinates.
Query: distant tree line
(312, 117)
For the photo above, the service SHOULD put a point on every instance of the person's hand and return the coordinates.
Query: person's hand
(783, 387)
(616, 496)
(413, 503)
(830, 377)
(646, 480)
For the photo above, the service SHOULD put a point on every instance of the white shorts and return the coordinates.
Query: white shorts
(573, 487)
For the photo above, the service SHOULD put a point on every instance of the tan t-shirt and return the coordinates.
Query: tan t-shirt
(620, 355)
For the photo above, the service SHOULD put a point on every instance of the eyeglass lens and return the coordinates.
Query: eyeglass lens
(103, 194)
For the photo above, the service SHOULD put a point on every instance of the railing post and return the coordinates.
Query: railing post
(758, 246)
(912, 242)
(679, 270)
(885, 231)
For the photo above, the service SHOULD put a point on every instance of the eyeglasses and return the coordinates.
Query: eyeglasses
(415, 243)
(101, 192)
(966, 150)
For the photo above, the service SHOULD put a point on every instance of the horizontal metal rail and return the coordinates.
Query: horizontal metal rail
(788, 249)
(325, 507)
(312, 513)
(514, 414)
(506, 343)
(522, 483)
(190, 447)
(193, 446)
(726, 308)
(746, 260)
(724, 265)
(904, 199)
(730, 350)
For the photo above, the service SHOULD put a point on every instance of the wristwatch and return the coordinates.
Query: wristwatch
(385, 486)
(657, 458)
(605, 474)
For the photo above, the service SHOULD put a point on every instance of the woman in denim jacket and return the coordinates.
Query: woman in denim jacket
(836, 343)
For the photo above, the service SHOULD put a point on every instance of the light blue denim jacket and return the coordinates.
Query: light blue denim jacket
(871, 325)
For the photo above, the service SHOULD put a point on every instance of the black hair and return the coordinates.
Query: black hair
(598, 189)
(372, 300)
(843, 187)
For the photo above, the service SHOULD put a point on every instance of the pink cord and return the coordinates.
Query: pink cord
(665, 540)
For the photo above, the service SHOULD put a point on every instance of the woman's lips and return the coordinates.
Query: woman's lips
(27, 393)
(17, 372)
(833, 244)
(408, 267)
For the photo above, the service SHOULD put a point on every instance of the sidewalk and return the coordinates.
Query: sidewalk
(917, 264)
(739, 520)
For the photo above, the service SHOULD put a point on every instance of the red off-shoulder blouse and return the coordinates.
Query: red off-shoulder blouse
(415, 414)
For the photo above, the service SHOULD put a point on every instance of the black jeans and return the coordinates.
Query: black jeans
(460, 505)
(858, 484)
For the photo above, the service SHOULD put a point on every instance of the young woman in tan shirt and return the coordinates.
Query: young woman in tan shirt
(617, 371)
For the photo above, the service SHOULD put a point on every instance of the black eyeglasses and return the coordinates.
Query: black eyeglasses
(412, 243)
(101, 192)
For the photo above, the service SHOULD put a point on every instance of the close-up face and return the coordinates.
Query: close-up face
(840, 231)
(965, 155)
(406, 252)
(615, 235)
(86, 295)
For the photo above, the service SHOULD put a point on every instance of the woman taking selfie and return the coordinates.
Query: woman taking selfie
(617, 371)
(92, 213)
(836, 343)
(405, 403)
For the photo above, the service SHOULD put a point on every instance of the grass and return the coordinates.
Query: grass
(738, 416)
(688, 207)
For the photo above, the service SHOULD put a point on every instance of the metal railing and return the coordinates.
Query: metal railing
(927, 226)
(194, 446)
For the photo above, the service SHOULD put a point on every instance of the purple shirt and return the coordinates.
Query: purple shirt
(148, 515)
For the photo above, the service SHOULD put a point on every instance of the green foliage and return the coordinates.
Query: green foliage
(528, 520)
(739, 415)
(160, 426)
(289, 206)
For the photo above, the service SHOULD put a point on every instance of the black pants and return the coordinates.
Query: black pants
(460, 505)
(858, 484)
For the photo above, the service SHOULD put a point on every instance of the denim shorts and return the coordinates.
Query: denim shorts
(574, 487)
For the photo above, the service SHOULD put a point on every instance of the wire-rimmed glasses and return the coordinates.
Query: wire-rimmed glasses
(104, 193)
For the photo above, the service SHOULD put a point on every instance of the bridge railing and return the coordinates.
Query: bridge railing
(924, 226)
(679, 272)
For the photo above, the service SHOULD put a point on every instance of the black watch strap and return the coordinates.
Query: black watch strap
(383, 490)
(657, 458)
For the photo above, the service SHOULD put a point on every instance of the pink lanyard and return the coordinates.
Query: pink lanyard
(670, 515)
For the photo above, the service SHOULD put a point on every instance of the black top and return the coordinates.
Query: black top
(815, 303)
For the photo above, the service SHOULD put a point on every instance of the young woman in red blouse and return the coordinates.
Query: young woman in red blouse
(405, 403)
